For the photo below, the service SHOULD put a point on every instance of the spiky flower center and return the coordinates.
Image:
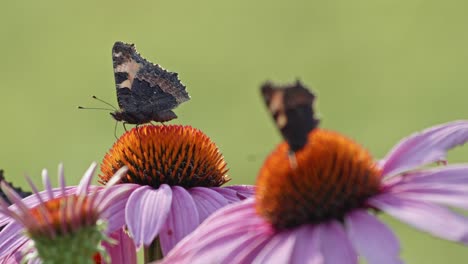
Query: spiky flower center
(173, 155)
(62, 215)
(65, 230)
(329, 177)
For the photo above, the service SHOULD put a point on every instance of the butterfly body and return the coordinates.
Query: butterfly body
(145, 91)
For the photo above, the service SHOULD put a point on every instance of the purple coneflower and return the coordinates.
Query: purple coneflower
(63, 225)
(176, 173)
(320, 207)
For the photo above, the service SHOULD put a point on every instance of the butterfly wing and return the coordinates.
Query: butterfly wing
(291, 108)
(145, 91)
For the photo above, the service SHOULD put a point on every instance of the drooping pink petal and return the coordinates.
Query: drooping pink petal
(424, 148)
(115, 215)
(425, 216)
(223, 232)
(446, 185)
(243, 191)
(11, 237)
(335, 245)
(450, 176)
(232, 194)
(182, 219)
(279, 249)
(250, 247)
(113, 206)
(454, 198)
(32, 201)
(372, 239)
(15, 257)
(215, 250)
(108, 196)
(124, 252)
(307, 247)
(7, 214)
(17, 200)
(207, 201)
(146, 212)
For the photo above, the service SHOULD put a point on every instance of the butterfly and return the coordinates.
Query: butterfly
(292, 111)
(145, 91)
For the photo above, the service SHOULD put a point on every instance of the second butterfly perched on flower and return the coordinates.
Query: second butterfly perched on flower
(317, 193)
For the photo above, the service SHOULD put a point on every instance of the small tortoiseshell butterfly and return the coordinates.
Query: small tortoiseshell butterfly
(145, 91)
(291, 108)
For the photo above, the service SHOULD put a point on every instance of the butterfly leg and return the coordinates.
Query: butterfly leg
(115, 129)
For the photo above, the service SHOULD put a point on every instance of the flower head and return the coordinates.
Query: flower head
(317, 204)
(172, 155)
(343, 177)
(69, 220)
(176, 173)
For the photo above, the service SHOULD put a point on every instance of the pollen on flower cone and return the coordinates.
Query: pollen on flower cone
(173, 155)
(326, 179)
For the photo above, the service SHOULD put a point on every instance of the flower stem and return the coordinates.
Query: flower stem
(153, 252)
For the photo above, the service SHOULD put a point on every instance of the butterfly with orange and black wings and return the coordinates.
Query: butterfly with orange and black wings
(145, 91)
(292, 111)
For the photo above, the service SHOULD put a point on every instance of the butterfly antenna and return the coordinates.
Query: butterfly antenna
(95, 108)
(102, 101)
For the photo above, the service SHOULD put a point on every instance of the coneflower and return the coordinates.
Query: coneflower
(63, 225)
(316, 202)
(176, 173)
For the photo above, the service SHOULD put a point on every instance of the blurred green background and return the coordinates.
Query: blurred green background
(382, 70)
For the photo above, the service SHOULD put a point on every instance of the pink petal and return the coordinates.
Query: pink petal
(182, 219)
(335, 245)
(229, 229)
(451, 176)
(48, 185)
(424, 148)
(453, 198)
(233, 194)
(85, 181)
(108, 196)
(13, 258)
(146, 212)
(250, 248)
(424, 216)
(11, 237)
(124, 252)
(307, 247)
(114, 209)
(32, 201)
(279, 249)
(446, 185)
(243, 191)
(207, 201)
(372, 239)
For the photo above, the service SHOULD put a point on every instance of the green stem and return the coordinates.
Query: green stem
(153, 252)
